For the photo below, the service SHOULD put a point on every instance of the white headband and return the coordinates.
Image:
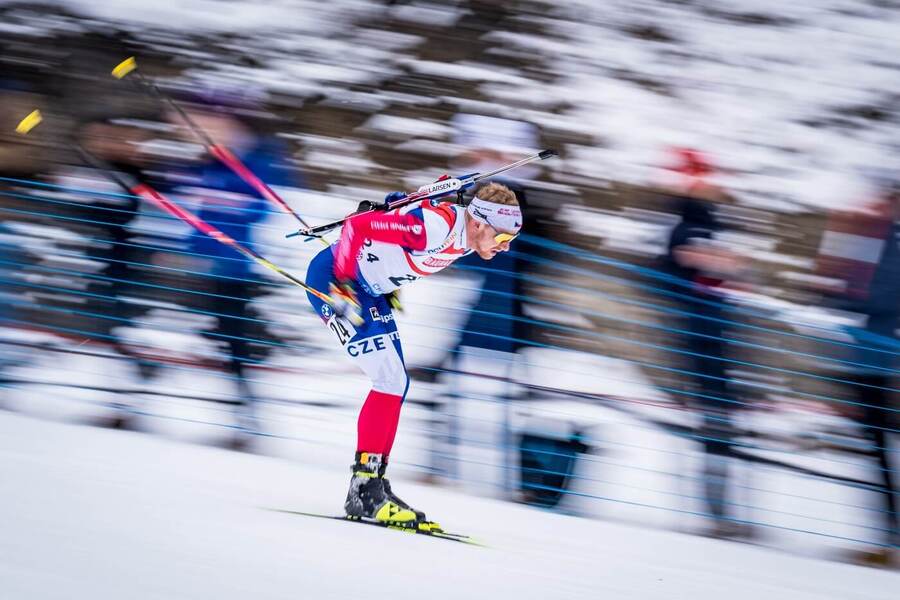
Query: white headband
(502, 217)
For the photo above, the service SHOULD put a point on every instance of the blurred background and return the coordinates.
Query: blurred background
(696, 331)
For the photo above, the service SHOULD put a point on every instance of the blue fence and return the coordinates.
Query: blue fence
(76, 270)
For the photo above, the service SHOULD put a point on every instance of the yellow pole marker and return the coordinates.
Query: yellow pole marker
(124, 68)
(29, 122)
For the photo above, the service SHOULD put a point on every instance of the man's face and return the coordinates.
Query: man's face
(482, 239)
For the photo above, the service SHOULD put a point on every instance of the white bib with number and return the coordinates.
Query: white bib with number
(385, 267)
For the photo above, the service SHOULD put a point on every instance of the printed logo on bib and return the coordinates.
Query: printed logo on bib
(415, 228)
(433, 261)
(447, 243)
(376, 316)
(371, 345)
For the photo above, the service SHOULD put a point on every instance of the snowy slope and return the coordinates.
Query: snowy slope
(89, 513)
(638, 472)
(792, 99)
(795, 100)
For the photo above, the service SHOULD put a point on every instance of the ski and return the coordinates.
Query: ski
(444, 535)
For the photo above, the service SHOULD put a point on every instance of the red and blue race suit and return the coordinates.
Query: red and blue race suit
(378, 252)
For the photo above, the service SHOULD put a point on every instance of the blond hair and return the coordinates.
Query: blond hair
(497, 193)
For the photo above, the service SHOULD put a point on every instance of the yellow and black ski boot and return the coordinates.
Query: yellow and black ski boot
(367, 498)
(422, 521)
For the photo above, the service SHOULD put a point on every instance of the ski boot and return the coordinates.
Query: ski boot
(422, 522)
(368, 498)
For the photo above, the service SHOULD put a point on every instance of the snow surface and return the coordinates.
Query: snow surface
(89, 513)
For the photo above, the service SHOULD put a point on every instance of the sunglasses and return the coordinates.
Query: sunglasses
(505, 237)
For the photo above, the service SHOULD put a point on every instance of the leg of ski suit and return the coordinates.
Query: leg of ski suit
(375, 347)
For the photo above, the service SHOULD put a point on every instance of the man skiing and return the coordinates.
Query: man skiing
(377, 253)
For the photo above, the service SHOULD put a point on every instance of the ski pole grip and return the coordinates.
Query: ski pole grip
(549, 153)
(315, 231)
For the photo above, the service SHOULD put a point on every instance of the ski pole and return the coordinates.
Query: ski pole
(143, 190)
(441, 187)
(218, 151)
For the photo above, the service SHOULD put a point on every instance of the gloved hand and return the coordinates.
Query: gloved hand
(393, 299)
(345, 303)
(392, 196)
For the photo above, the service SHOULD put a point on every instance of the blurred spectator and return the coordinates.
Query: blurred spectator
(495, 329)
(862, 250)
(492, 142)
(231, 205)
(118, 143)
(693, 258)
(20, 157)
(10, 355)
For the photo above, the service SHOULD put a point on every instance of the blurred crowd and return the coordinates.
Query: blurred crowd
(742, 317)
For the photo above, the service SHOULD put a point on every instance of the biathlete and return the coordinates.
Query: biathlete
(377, 253)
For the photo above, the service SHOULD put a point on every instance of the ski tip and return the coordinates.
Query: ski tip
(29, 122)
(548, 153)
(124, 68)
